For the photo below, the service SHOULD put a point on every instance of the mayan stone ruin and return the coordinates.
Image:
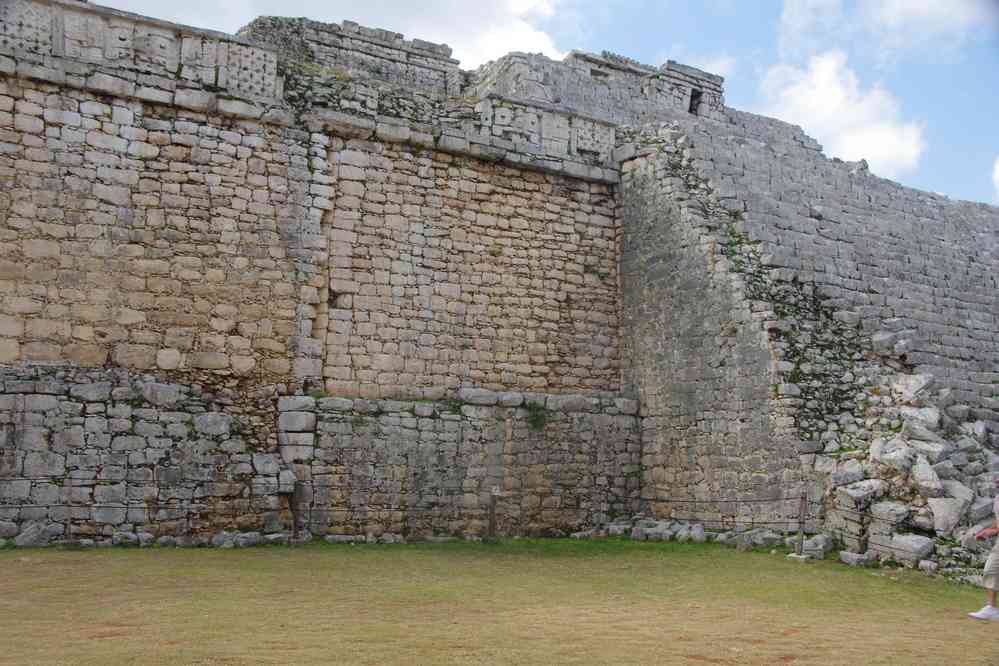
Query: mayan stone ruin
(316, 279)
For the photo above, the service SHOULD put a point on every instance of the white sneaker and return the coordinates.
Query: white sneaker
(987, 613)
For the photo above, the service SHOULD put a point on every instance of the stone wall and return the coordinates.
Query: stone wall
(912, 272)
(310, 238)
(700, 359)
(150, 221)
(449, 272)
(148, 237)
(607, 87)
(556, 463)
(99, 453)
(349, 50)
(219, 242)
(113, 455)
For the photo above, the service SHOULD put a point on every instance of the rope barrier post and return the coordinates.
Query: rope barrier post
(491, 528)
(802, 507)
(293, 499)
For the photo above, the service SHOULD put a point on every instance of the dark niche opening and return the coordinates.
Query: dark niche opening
(695, 100)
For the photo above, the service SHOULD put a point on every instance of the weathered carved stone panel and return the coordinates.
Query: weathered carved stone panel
(251, 71)
(26, 26)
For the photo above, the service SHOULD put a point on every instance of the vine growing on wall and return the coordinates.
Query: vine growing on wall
(537, 416)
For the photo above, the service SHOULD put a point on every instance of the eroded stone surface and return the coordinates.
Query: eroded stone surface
(321, 258)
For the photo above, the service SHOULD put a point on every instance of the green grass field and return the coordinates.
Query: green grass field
(518, 602)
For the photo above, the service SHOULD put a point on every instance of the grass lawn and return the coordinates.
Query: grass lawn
(519, 602)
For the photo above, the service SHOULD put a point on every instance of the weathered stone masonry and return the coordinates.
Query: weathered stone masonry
(320, 267)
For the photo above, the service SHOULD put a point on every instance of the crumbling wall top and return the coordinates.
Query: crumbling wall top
(350, 50)
(607, 87)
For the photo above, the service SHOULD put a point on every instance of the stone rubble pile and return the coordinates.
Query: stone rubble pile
(920, 489)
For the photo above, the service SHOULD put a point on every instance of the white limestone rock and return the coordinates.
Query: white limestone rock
(857, 559)
(895, 453)
(890, 512)
(928, 566)
(945, 469)
(981, 508)
(911, 547)
(858, 495)
(847, 472)
(976, 431)
(907, 388)
(958, 490)
(818, 546)
(919, 431)
(928, 417)
(933, 451)
(925, 479)
(34, 533)
(947, 513)
(697, 534)
(478, 396)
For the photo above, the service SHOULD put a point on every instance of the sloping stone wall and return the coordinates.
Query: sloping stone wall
(701, 362)
(914, 272)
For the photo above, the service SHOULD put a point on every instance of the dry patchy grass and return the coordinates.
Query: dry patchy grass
(519, 602)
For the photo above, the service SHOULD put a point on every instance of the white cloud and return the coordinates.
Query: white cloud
(907, 23)
(885, 30)
(995, 178)
(476, 31)
(828, 101)
(721, 64)
(928, 29)
(805, 26)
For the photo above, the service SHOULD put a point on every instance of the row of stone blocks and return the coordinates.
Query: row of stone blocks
(297, 420)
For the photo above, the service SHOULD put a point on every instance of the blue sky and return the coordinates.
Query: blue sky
(910, 85)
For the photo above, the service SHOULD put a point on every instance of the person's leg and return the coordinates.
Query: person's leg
(990, 578)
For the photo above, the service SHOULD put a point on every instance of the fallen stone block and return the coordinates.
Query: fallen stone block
(925, 479)
(697, 534)
(818, 546)
(911, 547)
(895, 453)
(857, 559)
(908, 388)
(248, 539)
(33, 534)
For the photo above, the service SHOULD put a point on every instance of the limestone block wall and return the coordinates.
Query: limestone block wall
(149, 220)
(558, 463)
(214, 239)
(337, 210)
(823, 269)
(116, 455)
(448, 272)
(916, 272)
(607, 87)
(98, 453)
(351, 50)
(149, 237)
(716, 442)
